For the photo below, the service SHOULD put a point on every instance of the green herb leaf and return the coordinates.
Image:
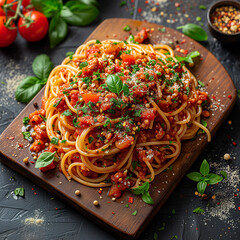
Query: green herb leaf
(79, 13)
(67, 113)
(122, 3)
(204, 168)
(26, 121)
(57, 30)
(203, 7)
(48, 7)
(195, 176)
(201, 186)
(43, 118)
(201, 83)
(27, 89)
(224, 174)
(27, 135)
(131, 38)
(98, 42)
(70, 55)
(155, 236)
(134, 213)
(19, 192)
(83, 64)
(198, 19)
(63, 141)
(55, 140)
(194, 31)
(198, 210)
(42, 66)
(147, 198)
(127, 28)
(56, 104)
(189, 57)
(114, 83)
(45, 159)
(126, 90)
(90, 139)
(214, 178)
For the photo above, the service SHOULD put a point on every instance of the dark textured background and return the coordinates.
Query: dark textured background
(221, 219)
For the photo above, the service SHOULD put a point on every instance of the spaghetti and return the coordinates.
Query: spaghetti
(116, 113)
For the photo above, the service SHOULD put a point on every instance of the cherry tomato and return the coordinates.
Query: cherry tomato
(13, 8)
(37, 30)
(7, 36)
(2, 13)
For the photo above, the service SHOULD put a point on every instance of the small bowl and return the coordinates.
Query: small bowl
(221, 36)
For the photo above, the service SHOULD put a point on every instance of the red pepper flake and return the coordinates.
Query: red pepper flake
(239, 208)
(108, 202)
(230, 96)
(177, 46)
(235, 195)
(201, 59)
(139, 10)
(185, 52)
(20, 145)
(132, 1)
(234, 143)
(11, 138)
(183, 41)
(32, 188)
(114, 35)
(213, 97)
(130, 200)
(218, 203)
(32, 162)
(35, 193)
(56, 208)
(113, 213)
(100, 191)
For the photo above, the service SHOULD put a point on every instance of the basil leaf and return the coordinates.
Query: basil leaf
(195, 176)
(198, 210)
(27, 135)
(19, 192)
(77, 13)
(55, 140)
(42, 66)
(57, 31)
(90, 139)
(27, 89)
(26, 121)
(189, 57)
(126, 90)
(147, 198)
(204, 168)
(141, 189)
(194, 31)
(45, 159)
(214, 178)
(67, 113)
(224, 174)
(48, 7)
(201, 186)
(114, 83)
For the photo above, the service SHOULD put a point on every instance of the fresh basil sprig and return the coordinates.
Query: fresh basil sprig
(198, 210)
(45, 159)
(194, 31)
(204, 177)
(189, 57)
(76, 13)
(30, 86)
(145, 193)
(115, 85)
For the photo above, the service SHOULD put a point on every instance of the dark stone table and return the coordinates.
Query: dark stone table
(221, 219)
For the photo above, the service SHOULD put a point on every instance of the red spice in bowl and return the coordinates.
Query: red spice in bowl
(226, 19)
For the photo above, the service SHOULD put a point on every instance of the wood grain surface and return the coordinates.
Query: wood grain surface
(114, 215)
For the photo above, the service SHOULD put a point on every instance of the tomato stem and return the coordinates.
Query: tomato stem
(17, 13)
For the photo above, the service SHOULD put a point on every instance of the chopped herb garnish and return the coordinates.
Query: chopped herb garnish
(55, 140)
(134, 213)
(83, 64)
(67, 113)
(26, 121)
(127, 28)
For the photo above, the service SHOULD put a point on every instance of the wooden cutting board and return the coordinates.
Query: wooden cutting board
(115, 215)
